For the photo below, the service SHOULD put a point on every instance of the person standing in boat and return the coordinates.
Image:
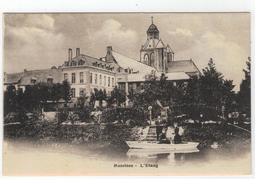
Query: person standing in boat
(177, 137)
(158, 128)
(170, 133)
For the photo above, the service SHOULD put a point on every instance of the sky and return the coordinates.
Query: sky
(39, 41)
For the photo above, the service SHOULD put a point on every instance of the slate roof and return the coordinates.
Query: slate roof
(85, 60)
(177, 76)
(187, 66)
(141, 77)
(13, 78)
(152, 29)
(24, 78)
(129, 63)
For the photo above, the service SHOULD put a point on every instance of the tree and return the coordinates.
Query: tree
(98, 95)
(244, 95)
(210, 91)
(192, 92)
(118, 96)
(66, 92)
(81, 101)
(157, 90)
(9, 99)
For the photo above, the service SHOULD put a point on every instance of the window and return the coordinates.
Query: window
(95, 78)
(73, 78)
(73, 92)
(33, 80)
(152, 59)
(108, 82)
(105, 80)
(113, 82)
(81, 77)
(146, 59)
(100, 79)
(82, 92)
(65, 76)
(50, 80)
(91, 78)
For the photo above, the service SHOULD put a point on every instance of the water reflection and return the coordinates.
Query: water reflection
(160, 156)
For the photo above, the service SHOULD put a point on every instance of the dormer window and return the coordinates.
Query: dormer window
(66, 63)
(95, 64)
(81, 62)
(33, 80)
(73, 63)
(50, 79)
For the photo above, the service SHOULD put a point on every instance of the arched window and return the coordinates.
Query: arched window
(152, 59)
(146, 59)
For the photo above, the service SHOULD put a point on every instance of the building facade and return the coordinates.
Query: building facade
(85, 73)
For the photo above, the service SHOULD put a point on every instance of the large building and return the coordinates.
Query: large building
(85, 73)
(32, 77)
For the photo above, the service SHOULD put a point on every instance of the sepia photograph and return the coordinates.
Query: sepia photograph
(127, 94)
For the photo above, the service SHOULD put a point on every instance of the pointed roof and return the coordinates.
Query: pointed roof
(160, 44)
(152, 29)
(153, 43)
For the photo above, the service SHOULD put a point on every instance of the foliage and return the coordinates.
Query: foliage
(210, 91)
(117, 97)
(157, 90)
(66, 92)
(98, 95)
(9, 99)
(122, 115)
(244, 95)
(214, 90)
(81, 101)
(205, 94)
(32, 98)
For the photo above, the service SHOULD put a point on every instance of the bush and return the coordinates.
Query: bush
(73, 114)
(122, 115)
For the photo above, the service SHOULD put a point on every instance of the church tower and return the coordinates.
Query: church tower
(154, 52)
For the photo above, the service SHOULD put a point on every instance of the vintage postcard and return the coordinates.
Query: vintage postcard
(165, 94)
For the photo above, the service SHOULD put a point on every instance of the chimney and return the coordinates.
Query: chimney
(109, 49)
(109, 56)
(77, 52)
(69, 54)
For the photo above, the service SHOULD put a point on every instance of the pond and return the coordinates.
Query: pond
(28, 158)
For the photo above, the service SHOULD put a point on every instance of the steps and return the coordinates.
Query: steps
(151, 136)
